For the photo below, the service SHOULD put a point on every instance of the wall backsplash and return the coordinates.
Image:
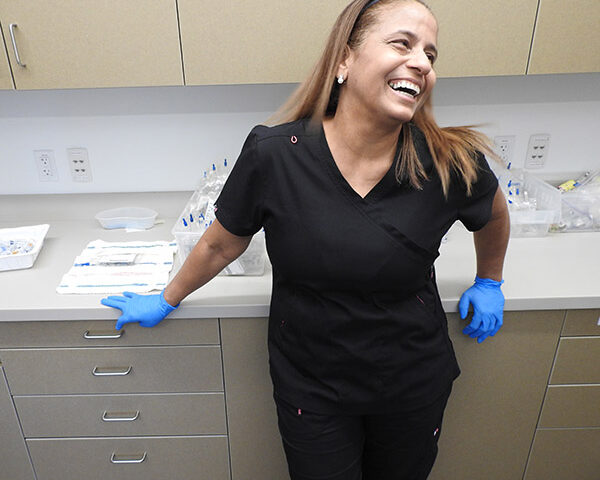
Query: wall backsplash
(161, 139)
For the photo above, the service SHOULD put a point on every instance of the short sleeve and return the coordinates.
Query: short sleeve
(476, 209)
(239, 206)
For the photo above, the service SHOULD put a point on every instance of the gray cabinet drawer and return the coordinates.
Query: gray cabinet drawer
(149, 370)
(564, 454)
(100, 333)
(571, 406)
(577, 361)
(198, 458)
(14, 461)
(122, 415)
(581, 322)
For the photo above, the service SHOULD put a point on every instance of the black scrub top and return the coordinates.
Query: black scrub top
(356, 324)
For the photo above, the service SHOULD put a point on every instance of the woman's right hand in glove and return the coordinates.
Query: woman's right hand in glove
(147, 310)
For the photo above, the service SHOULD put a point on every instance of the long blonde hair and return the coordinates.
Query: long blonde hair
(453, 149)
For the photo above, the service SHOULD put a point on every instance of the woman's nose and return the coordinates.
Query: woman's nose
(420, 61)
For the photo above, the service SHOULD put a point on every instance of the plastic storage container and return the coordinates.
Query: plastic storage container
(25, 244)
(127, 217)
(251, 262)
(531, 223)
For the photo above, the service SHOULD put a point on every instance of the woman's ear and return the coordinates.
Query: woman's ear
(344, 67)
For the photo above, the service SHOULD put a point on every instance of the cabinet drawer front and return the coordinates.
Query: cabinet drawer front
(100, 333)
(201, 458)
(564, 454)
(581, 322)
(577, 361)
(113, 370)
(122, 415)
(571, 406)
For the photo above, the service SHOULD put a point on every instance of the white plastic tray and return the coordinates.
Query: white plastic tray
(127, 217)
(35, 233)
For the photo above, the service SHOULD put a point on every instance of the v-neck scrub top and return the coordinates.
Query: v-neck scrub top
(356, 323)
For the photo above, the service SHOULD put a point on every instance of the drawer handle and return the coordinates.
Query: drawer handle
(111, 371)
(124, 459)
(92, 336)
(120, 417)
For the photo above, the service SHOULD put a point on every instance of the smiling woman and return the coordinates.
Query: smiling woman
(355, 187)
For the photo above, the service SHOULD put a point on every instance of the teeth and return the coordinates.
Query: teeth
(414, 90)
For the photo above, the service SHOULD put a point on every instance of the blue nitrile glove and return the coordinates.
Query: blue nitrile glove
(488, 305)
(148, 310)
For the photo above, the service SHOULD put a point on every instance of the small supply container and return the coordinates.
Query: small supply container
(196, 216)
(19, 247)
(530, 223)
(127, 217)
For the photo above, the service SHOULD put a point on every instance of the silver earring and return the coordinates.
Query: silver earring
(340, 79)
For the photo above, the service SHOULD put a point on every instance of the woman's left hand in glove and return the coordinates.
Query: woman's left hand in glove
(488, 304)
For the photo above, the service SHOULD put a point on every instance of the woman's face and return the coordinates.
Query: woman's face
(390, 74)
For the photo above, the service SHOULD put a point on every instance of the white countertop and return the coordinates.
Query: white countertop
(560, 271)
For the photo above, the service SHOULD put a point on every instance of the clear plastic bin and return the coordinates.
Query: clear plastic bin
(251, 262)
(530, 223)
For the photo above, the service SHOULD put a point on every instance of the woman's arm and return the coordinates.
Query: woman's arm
(216, 249)
(492, 240)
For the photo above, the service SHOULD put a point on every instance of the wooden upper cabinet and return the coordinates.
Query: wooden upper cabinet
(483, 38)
(5, 76)
(258, 41)
(567, 37)
(90, 43)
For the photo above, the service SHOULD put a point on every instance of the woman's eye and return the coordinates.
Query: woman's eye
(431, 58)
(402, 44)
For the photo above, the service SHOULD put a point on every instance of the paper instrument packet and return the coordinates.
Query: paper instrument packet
(114, 267)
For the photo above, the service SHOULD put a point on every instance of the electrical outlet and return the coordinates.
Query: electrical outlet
(505, 147)
(537, 151)
(79, 164)
(46, 167)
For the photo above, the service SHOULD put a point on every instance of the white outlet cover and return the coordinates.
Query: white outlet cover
(46, 166)
(505, 147)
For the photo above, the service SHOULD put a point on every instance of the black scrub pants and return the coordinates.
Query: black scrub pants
(398, 446)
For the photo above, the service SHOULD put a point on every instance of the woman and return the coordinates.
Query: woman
(355, 192)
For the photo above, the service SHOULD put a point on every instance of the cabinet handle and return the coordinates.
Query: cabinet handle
(115, 417)
(11, 28)
(111, 371)
(113, 459)
(92, 336)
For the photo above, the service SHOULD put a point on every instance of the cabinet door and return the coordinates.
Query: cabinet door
(492, 413)
(5, 75)
(483, 38)
(14, 461)
(85, 43)
(262, 41)
(566, 37)
(254, 442)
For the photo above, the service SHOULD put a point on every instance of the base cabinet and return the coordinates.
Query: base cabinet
(567, 440)
(224, 425)
(489, 423)
(94, 403)
(492, 413)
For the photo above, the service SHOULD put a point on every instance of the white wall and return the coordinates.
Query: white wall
(161, 139)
